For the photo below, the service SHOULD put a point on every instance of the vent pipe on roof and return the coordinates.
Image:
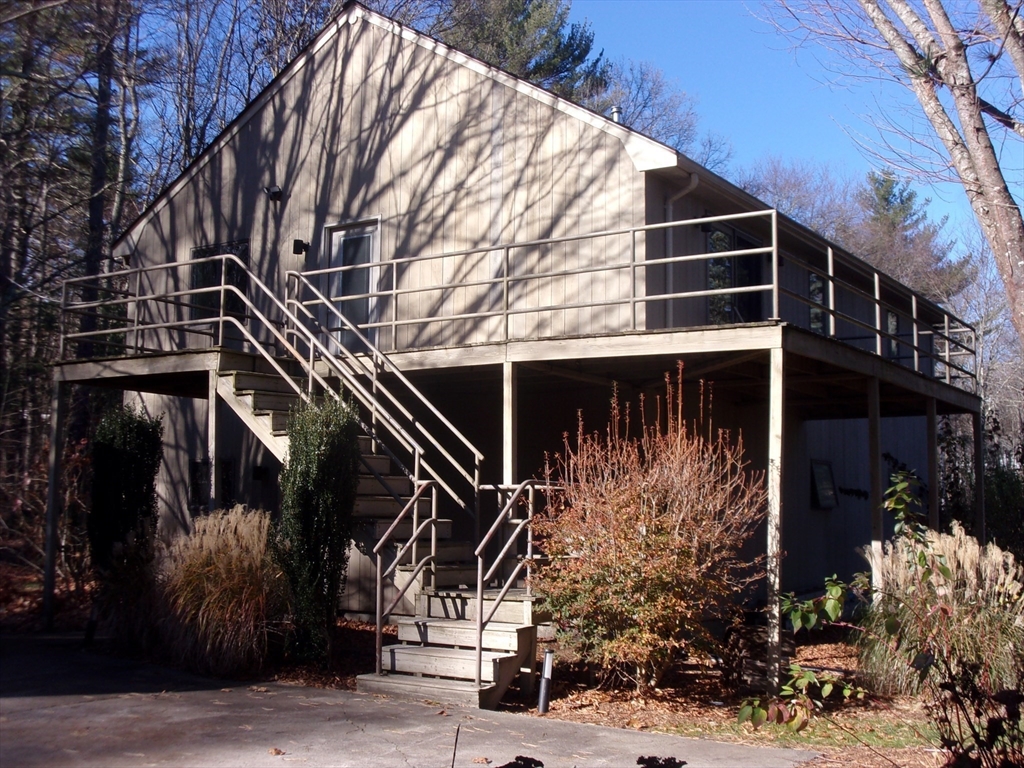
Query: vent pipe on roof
(617, 115)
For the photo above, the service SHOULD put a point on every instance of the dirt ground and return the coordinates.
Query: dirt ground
(692, 702)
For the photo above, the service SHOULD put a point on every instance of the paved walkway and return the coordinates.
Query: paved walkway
(63, 706)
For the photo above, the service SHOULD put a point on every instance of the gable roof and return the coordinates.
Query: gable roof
(646, 153)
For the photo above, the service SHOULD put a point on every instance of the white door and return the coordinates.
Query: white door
(349, 283)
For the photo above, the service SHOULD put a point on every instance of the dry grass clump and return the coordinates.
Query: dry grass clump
(977, 616)
(227, 598)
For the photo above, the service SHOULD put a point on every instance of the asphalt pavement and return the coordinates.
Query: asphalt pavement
(62, 705)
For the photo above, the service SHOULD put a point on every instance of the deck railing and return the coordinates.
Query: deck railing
(537, 289)
(140, 311)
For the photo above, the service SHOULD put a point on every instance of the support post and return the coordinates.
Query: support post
(978, 421)
(776, 424)
(875, 468)
(510, 430)
(58, 415)
(212, 407)
(933, 464)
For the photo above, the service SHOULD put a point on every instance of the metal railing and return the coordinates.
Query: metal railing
(418, 564)
(509, 552)
(525, 290)
(128, 332)
(370, 364)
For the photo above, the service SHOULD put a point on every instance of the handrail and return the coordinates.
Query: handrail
(348, 376)
(484, 576)
(419, 564)
(382, 360)
(489, 291)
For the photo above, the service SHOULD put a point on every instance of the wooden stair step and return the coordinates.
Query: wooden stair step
(516, 608)
(377, 528)
(371, 486)
(386, 507)
(460, 693)
(451, 574)
(263, 382)
(268, 401)
(497, 636)
(439, 661)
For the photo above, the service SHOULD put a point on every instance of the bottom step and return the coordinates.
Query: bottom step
(459, 693)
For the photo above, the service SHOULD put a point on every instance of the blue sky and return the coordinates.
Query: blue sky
(752, 87)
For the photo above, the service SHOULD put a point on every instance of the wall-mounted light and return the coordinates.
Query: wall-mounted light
(298, 247)
(274, 193)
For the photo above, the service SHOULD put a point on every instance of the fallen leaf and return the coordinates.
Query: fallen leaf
(258, 688)
(275, 751)
(225, 690)
(245, 727)
(481, 760)
(443, 713)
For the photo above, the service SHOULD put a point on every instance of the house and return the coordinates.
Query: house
(477, 261)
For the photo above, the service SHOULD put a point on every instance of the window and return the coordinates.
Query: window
(733, 272)
(823, 485)
(892, 327)
(816, 293)
(208, 275)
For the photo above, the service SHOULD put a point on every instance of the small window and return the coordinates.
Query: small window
(892, 327)
(198, 487)
(208, 275)
(823, 485)
(816, 293)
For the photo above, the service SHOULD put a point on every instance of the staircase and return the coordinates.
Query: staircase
(447, 651)
(262, 401)
(435, 658)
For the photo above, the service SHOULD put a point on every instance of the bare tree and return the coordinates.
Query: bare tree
(963, 62)
(815, 194)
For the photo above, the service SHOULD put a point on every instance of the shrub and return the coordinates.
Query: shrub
(227, 597)
(946, 615)
(645, 541)
(126, 454)
(977, 615)
(318, 488)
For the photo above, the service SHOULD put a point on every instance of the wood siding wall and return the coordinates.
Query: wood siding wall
(376, 127)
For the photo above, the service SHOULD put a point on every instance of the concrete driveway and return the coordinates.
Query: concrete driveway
(63, 706)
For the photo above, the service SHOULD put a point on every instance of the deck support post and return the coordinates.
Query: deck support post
(212, 408)
(776, 424)
(875, 471)
(933, 464)
(509, 423)
(978, 422)
(58, 416)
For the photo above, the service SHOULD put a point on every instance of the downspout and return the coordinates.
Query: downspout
(669, 251)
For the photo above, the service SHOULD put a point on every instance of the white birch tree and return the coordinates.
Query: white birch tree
(963, 61)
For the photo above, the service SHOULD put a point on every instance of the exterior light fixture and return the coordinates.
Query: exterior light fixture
(298, 246)
(274, 193)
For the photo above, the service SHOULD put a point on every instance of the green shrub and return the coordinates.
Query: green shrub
(227, 597)
(645, 543)
(318, 489)
(976, 616)
(126, 453)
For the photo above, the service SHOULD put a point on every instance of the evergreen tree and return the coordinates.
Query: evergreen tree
(531, 39)
(895, 234)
